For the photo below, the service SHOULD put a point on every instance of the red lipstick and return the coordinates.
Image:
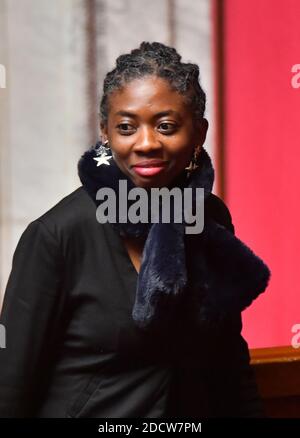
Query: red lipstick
(149, 167)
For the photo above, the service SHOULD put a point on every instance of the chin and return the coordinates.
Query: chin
(151, 182)
(146, 184)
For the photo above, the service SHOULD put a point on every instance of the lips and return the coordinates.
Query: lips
(150, 163)
(149, 167)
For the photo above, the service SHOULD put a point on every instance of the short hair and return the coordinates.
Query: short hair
(159, 60)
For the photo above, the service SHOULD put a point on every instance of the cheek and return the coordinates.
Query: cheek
(181, 150)
(184, 142)
(120, 150)
(120, 147)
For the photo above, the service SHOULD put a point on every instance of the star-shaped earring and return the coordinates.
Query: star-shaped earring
(104, 157)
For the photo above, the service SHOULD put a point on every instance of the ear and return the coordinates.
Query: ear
(202, 130)
(104, 131)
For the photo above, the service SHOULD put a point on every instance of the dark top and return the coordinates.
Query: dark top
(72, 349)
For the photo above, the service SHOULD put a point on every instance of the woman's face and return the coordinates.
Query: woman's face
(151, 131)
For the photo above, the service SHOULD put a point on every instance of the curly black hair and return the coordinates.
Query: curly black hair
(159, 60)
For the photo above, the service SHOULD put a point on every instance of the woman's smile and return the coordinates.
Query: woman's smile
(149, 167)
(151, 131)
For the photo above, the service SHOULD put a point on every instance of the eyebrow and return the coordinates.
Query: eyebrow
(156, 116)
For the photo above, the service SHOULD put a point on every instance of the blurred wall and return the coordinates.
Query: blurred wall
(42, 111)
(56, 54)
(261, 114)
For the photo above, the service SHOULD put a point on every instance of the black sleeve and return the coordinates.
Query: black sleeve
(30, 314)
(234, 380)
(217, 210)
(233, 384)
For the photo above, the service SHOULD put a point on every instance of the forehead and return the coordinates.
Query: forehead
(149, 94)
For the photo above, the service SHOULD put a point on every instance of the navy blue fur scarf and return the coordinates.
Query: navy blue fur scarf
(214, 271)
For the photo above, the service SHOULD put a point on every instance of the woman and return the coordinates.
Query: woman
(125, 319)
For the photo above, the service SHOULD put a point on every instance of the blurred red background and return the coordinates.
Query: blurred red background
(256, 46)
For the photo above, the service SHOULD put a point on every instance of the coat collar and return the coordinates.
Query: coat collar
(221, 272)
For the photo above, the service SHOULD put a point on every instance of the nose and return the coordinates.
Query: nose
(147, 141)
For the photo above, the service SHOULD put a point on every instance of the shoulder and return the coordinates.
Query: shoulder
(73, 210)
(216, 209)
(69, 220)
(77, 205)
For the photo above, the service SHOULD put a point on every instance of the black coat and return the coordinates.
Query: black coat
(73, 349)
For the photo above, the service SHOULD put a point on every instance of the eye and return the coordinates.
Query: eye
(167, 127)
(125, 128)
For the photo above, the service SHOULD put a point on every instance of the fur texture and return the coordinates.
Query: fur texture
(215, 273)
